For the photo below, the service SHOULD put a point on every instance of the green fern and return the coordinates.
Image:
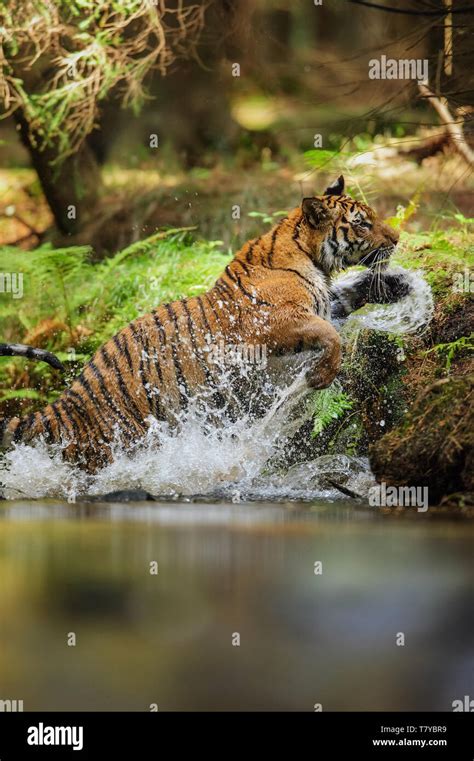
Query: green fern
(461, 345)
(329, 405)
(65, 285)
(50, 278)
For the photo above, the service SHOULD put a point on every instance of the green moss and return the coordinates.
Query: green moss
(349, 436)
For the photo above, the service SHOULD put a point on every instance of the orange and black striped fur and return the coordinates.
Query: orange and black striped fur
(275, 292)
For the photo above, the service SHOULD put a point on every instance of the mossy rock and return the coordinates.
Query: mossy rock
(372, 378)
(434, 446)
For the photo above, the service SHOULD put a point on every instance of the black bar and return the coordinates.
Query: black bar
(154, 735)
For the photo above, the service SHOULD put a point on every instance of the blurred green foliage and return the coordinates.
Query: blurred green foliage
(65, 286)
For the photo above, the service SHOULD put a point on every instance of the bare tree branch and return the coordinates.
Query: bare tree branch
(453, 126)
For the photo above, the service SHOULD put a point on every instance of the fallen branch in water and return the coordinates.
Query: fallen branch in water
(344, 489)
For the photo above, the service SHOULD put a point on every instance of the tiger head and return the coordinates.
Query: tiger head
(340, 232)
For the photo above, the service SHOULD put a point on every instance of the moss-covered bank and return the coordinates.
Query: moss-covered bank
(409, 401)
(434, 445)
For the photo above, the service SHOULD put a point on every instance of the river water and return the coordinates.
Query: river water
(253, 606)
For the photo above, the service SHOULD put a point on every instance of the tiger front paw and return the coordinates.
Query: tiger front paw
(323, 372)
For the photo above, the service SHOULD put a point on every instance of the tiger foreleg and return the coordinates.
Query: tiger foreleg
(312, 332)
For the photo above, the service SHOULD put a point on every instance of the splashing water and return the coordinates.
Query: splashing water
(194, 458)
(231, 461)
(409, 314)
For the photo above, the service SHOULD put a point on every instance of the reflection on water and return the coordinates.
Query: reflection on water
(224, 569)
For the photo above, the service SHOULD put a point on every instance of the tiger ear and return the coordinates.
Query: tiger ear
(337, 187)
(315, 211)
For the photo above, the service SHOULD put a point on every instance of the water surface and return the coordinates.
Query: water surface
(226, 569)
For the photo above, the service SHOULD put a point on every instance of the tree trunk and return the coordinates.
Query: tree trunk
(72, 188)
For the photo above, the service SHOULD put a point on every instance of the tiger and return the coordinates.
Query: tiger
(276, 291)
